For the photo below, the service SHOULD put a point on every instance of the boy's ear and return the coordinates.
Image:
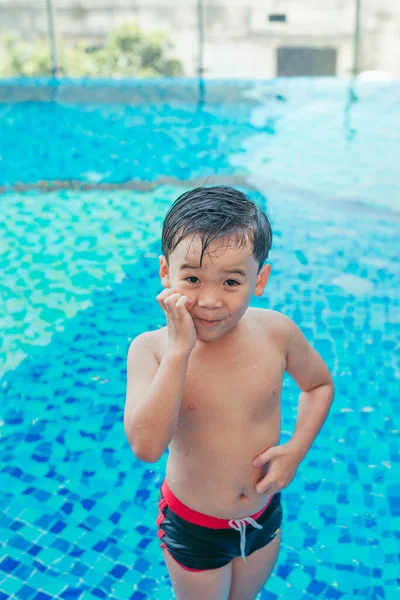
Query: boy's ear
(262, 279)
(164, 272)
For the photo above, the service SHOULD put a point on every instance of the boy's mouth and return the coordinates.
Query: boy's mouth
(206, 323)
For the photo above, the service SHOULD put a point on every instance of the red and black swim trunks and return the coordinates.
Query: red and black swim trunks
(200, 542)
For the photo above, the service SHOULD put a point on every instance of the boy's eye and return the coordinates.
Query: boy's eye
(231, 282)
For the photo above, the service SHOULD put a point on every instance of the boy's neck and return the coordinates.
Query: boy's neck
(225, 341)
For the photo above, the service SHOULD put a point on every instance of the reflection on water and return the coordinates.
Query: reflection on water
(347, 113)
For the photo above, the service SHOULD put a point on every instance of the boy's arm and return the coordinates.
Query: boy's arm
(153, 398)
(311, 374)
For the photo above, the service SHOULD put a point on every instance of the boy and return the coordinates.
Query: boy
(208, 387)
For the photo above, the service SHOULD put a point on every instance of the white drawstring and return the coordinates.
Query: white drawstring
(240, 525)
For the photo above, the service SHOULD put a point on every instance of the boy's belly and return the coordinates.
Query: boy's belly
(214, 475)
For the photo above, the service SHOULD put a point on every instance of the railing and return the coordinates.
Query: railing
(255, 39)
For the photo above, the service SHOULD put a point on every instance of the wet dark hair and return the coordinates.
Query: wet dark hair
(217, 212)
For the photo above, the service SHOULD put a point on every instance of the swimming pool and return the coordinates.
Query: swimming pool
(79, 280)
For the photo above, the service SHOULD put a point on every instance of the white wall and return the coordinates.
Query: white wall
(239, 39)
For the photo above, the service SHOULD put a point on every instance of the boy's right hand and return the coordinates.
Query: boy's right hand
(181, 329)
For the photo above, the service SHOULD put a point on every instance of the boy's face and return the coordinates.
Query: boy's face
(221, 289)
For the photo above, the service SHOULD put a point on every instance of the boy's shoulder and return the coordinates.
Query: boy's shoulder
(149, 338)
(271, 318)
(153, 340)
(272, 322)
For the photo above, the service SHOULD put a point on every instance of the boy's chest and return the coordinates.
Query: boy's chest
(233, 388)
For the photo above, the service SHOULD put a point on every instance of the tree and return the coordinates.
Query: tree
(127, 52)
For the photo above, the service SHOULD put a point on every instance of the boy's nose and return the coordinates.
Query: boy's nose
(209, 302)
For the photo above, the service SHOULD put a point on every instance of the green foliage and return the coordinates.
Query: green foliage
(22, 58)
(127, 52)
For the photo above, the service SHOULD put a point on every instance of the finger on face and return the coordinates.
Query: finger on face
(183, 301)
(164, 294)
(172, 299)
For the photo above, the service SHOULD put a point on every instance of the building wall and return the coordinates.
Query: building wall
(240, 42)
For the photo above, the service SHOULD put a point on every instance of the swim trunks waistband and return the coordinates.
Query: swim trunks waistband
(197, 518)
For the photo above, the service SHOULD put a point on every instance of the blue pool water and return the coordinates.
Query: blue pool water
(79, 280)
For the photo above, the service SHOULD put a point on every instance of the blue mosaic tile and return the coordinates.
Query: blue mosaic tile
(147, 585)
(25, 592)
(142, 565)
(394, 499)
(8, 564)
(316, 587)
(378, 593)
(333, 593)
(71, 594)
(88, 500)
(99, 593)
(139, 596)
(265, 595)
